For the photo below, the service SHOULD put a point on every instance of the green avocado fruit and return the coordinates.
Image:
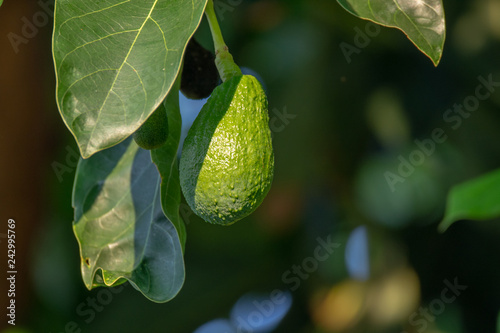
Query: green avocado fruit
(227, 160)
(199, 73)
(154, 132)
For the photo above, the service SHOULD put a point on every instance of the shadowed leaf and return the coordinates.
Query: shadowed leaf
(421, 20)
(120, 226)
(165, 159)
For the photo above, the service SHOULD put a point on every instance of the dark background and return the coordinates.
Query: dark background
(350, 120)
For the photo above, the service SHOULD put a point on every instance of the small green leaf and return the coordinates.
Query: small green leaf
(498, 322)
(165, 159)
(477, 199)
(1, 2)
(422, 21)
(115, 61)
(120, 226)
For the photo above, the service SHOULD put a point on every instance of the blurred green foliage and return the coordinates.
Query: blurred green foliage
(351, 122)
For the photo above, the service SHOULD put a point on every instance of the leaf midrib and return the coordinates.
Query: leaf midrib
(118, 73)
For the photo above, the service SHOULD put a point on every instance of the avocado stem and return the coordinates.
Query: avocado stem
(223, 59)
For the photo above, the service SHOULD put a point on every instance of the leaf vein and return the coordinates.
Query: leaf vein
(119, 70)
(91, 13)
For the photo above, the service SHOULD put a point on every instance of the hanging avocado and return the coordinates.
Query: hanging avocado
(227, 161)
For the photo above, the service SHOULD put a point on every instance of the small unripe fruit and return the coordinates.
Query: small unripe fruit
(199, 74)
(154, 132)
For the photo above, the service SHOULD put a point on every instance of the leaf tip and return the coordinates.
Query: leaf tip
(436, 60)
(443, 226)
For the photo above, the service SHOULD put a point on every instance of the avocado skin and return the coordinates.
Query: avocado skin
(154, 132)
(227, 161)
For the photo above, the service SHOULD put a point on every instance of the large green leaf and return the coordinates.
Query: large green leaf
(115, 62)
(477, 199)
(421, 20)
(165, 159)
(120, 225)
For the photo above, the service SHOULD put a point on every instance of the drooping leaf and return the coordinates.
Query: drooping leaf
(477, 199)
(120, 226)
(115, 61)
(421, 20)
(166, 161)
